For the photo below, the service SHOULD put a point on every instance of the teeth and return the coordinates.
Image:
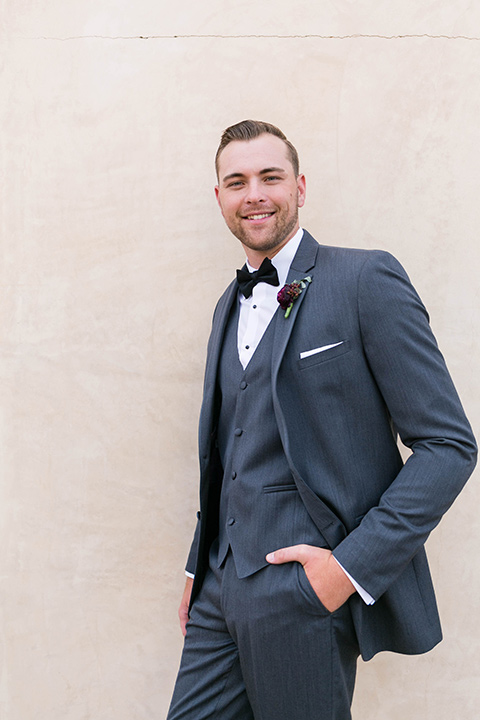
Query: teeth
(259, 217)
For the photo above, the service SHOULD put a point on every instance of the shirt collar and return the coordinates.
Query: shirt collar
(284, 258)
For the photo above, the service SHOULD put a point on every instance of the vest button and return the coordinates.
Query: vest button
(243, 385)
(238, 431)
(231, 521)
(234, 475)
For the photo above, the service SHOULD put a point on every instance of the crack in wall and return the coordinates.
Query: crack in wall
(240, 37)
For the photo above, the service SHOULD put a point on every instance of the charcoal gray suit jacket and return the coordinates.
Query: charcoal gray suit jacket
(339, 411)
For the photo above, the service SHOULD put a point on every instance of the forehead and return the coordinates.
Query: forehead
(253, 156)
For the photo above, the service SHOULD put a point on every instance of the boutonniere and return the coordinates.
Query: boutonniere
(290, 292)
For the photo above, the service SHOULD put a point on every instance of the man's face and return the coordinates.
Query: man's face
(259, 195)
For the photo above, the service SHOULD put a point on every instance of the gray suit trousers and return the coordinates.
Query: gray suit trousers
(264, 648)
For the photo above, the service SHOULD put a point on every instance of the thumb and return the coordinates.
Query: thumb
(294, 553)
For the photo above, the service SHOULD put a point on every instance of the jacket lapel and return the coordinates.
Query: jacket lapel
(302, 266)
(213, 355)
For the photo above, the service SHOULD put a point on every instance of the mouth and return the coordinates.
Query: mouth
(258, 216)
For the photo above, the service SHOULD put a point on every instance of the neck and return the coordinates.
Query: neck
(256, 257)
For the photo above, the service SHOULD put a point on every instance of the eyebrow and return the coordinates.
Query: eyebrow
(266, 171)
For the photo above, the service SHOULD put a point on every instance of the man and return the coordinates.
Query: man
(302, 404)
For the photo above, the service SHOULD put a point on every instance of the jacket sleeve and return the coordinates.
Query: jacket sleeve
(192, 555)
(427, 414)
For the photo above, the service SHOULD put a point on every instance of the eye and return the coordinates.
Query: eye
(272, 178)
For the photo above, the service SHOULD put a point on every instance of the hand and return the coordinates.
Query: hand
(184, 605)
(325, 575)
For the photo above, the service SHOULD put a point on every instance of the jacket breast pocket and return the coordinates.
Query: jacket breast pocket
(279, 488)
(320, 355)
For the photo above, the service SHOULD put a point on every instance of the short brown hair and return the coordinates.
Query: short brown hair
(250, 129)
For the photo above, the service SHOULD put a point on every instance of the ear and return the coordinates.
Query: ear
(302, 190)
(217, 195)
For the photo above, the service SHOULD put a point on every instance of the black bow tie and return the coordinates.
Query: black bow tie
(265, 273)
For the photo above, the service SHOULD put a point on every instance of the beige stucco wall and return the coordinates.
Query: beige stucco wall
(112, 256)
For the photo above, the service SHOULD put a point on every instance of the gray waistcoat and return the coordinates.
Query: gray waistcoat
(260, 508)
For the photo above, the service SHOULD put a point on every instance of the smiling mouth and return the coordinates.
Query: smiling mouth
(258, 216)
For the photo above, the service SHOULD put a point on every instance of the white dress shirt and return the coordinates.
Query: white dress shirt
(257, 311)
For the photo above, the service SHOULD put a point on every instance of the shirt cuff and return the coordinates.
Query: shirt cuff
(191, 575)
(366, 597)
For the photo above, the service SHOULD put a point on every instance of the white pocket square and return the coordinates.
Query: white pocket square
(307, 353)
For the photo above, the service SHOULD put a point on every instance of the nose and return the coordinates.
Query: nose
(255, 192)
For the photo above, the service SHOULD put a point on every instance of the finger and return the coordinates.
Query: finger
(294, 553)
(183, 622)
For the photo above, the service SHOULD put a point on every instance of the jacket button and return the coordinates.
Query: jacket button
(231, 521)
(238, 431)
(234, 475)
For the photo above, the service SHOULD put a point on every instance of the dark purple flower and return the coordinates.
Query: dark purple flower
(290, 292)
